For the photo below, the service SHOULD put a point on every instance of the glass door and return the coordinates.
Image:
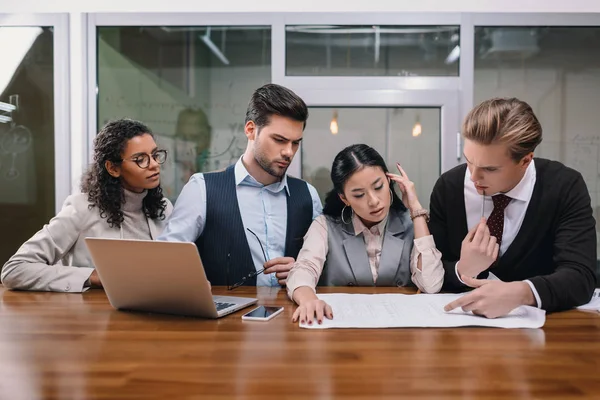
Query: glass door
(418, 130)
(409, 136)
(34, 136)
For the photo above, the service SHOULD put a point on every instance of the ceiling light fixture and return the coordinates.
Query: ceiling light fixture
(417, 128)
(333, 126)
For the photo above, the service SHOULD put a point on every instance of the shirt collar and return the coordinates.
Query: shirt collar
(522, 191)
(524, 188)
(243, 177)
(359, 227)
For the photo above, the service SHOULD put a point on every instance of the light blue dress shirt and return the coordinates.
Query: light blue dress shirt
(263, 210)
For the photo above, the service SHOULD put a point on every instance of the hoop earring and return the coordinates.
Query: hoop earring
(344, 209)
(391, 197)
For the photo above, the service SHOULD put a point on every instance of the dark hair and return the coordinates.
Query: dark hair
(346, 163)
(272, 99)
(105, 191)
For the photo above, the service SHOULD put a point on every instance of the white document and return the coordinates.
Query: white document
(594, 304)
(417, 310)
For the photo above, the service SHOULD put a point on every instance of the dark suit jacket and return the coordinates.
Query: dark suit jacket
(555, 248)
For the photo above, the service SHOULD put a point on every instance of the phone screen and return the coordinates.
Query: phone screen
(262, 312)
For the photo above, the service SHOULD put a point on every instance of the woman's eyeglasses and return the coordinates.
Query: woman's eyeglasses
(250, 275)
(143, 160)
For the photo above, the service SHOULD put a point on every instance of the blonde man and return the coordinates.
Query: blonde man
(505, 214)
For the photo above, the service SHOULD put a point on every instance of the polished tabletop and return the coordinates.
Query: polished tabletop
(76, 346)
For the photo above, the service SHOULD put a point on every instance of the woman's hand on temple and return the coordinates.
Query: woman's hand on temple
(407, 187)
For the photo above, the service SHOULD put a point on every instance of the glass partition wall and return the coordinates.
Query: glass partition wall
(34, 134)
(190, 78)
(379, 77)
(190, 84)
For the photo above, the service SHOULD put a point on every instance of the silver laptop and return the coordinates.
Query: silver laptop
(161, 277)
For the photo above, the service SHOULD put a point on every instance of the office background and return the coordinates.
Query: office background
(396, 75)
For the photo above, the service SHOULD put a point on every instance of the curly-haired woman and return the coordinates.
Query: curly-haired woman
(121, 198)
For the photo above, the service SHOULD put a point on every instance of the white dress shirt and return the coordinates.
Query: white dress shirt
(514, 213)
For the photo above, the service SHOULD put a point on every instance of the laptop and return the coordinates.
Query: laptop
(159, 277)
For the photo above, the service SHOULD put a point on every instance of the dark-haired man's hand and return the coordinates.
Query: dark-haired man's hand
(280, 266)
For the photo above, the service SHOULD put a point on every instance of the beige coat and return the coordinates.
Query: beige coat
(56, 258)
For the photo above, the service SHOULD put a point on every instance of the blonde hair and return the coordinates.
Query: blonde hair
(507, 121)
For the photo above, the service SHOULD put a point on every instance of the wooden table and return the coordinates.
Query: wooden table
(71, 346)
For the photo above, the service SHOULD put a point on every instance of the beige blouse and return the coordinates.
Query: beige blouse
(311, 259)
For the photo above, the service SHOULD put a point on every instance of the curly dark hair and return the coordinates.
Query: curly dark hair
(105, 191)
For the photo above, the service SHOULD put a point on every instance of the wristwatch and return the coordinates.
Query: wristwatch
(420, 213)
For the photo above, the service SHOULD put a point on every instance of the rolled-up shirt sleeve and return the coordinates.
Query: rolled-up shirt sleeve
(430, 277)
(187, 221)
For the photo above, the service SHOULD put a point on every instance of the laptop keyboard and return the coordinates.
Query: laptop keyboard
(221, 306)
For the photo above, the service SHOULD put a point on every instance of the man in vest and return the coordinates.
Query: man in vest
(251, 215)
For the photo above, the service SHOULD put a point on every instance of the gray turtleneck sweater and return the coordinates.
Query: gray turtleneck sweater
(135, 223)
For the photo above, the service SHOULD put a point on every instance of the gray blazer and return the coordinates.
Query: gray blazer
(347, 262)
(56, 258)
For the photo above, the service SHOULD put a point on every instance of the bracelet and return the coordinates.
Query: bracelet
(419, 213)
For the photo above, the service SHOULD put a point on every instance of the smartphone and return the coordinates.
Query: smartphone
(262, 313)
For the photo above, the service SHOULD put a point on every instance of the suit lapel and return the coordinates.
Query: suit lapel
(356, 253)
(391, 252)
(533, 214)
(461, 208)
